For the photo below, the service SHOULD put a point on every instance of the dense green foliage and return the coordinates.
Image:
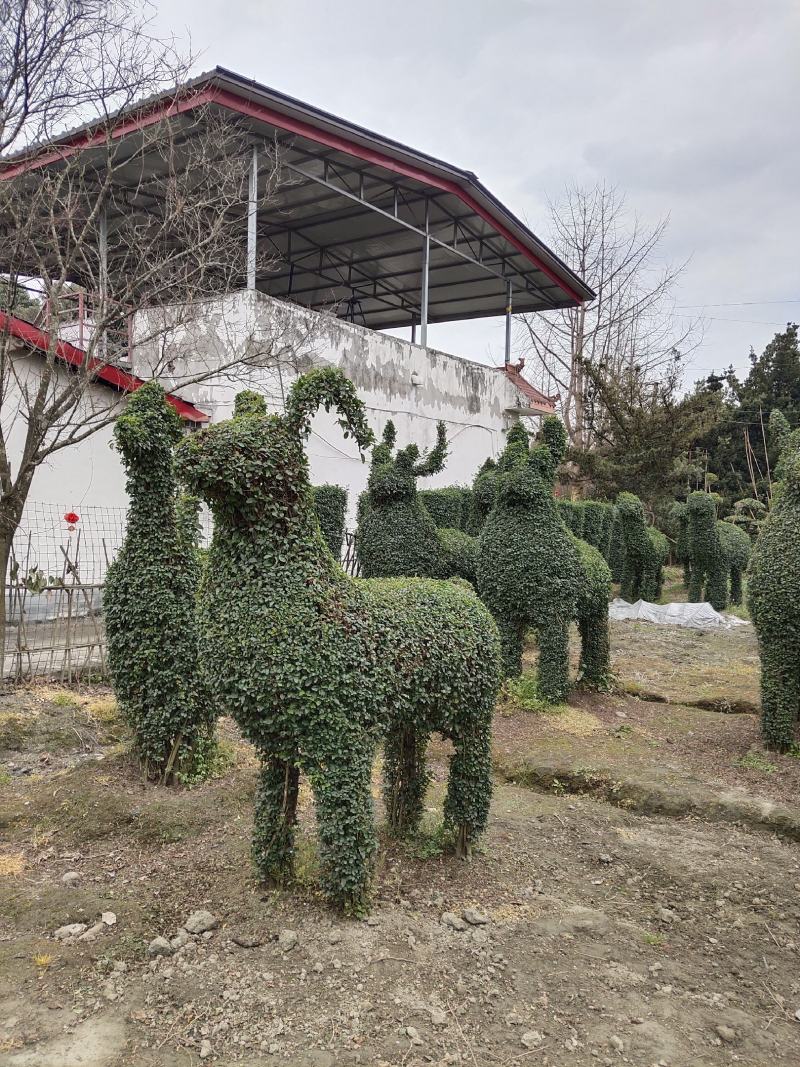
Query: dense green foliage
(572, 515)
(644, 552)
(772, 385)
(316, 666)
(397, 535)
(616, 546)
(330, 504)
(718, 553)
(748, 514)
(679, 527)
(773, 594)
(534, 574)
(149, 599)
(483, 496)
(598, 518)
(449, 507)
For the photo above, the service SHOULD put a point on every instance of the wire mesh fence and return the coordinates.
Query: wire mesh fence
(54, 590)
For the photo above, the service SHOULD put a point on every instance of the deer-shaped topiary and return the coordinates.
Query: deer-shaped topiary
(719, 554)
(316, 666)
(773, 597)
(397, 535)
(149, 599)
(644, 551)
(533, 573)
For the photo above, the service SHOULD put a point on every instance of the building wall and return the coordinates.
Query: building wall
(413, 386)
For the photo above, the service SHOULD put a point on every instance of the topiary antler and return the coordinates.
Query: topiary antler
(434, 461)
(248, 403)
(327, 387)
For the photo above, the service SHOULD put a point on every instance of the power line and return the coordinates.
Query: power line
(741, 303)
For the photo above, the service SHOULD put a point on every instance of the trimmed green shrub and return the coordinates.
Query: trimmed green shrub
(316, 666)
(533, 573)
(397, 536)
(597, 520)
(679, 521)
(572, 514)
(719, 554)
(330, 504)
(616, 545)
(484, 494)
(773, 594)
(448, 507)
(644, 552)
(149, 599)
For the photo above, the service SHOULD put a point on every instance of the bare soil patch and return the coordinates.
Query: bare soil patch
(612, 937)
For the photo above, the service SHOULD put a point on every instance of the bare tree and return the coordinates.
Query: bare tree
(146, 228)
(628, 333)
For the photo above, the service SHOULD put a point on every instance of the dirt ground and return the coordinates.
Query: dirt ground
(616, 932)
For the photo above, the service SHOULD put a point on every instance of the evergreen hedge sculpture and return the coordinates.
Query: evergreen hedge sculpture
(484, 494)
(644, 552)
(448, 507)
(397, 536)
(773, 594)
(616, 545)
(679, 519)
(330, 504)
(533, 573)
(719, 554)
(315, 666)
(149, 599)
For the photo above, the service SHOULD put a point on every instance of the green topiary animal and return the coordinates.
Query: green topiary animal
(149, 599)
(484, 494)
(679, 519)
(773, 594)
(397, 535)
(315, 666)
(719, 553)
(535, 574)
(644, 552)
(597, 520)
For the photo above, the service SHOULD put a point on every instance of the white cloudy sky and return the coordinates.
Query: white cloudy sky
(689, 106)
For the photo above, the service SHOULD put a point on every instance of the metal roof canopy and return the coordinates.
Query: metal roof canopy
(363, 219)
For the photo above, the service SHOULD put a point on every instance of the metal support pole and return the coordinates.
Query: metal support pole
(426, 262)
(102, 313)
(509, 308)
(252, 212)
(413, 333)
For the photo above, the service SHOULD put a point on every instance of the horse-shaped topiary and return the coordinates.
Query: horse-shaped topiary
(149, 599)
(533, 573)
(316, 666)
(719, 553)
(773, 596)
(397, 535)
(644, 552)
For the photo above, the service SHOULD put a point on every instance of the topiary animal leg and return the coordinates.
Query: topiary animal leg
(717, 587)
(512, 634)
(780, 694)
(595, 648)
(275, 818)
(469, 786)
(736, 585)
(553, 674)
(341, 782)
(696, 582)
(405, 778)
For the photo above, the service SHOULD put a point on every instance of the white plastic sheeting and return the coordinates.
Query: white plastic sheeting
(693, 616)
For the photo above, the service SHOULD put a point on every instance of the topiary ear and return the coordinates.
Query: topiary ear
(327, 387)
(435, 459)
(249, 403)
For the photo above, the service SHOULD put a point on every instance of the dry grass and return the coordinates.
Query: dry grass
(11, 864)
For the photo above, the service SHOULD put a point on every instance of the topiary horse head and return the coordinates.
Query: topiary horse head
(397, 535)
(316, 666)
(534, 574)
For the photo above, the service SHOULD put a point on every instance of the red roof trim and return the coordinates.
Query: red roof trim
(228, 99)
(544, 404)
(104, 372)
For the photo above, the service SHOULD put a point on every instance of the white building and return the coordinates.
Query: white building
(368, 236)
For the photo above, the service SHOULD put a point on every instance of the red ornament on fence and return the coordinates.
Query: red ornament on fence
(71, 519)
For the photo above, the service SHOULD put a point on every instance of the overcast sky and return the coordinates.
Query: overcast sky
(689, 106)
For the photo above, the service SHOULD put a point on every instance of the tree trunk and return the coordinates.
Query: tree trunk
(10, 516)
